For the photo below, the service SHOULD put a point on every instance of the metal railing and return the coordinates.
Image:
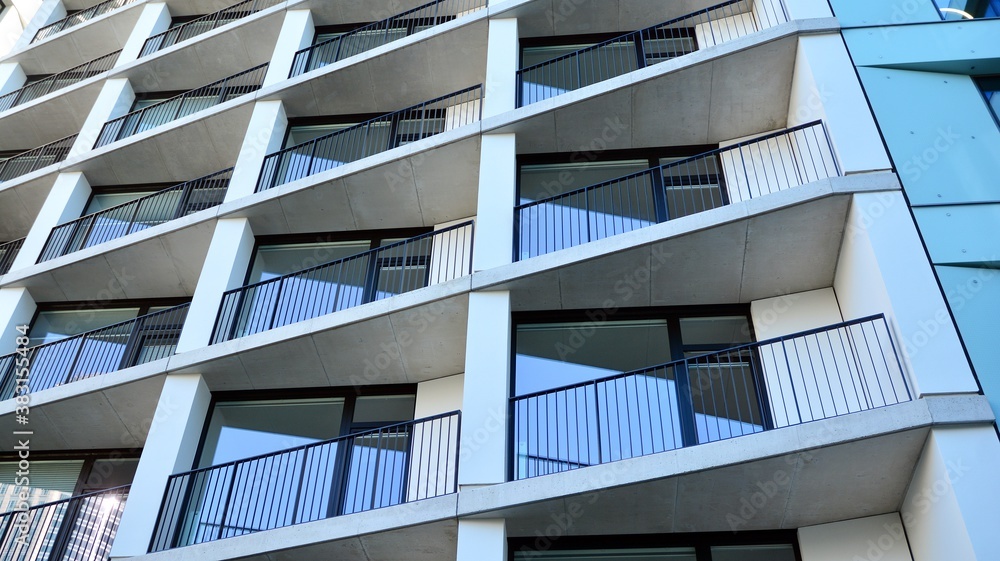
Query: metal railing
(80, 528)
(639, 49)
(749, 169)
(377, 274)
(36, 158)
(844, 368)
(363, 471)
(137, 215)
(371, 137)
(58, 81)
(380, 33)
(121, 345)
(79, 17)
(182, 105)
(204, 24)
(8, 253)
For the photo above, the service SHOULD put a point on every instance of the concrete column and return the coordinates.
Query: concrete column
(950, 507)
(225, 268)
(11, 77)
(155, 18)
(35, 16)
(494, 239)
(17, 307)
(264, 135)
(115, 100)
(170, 448)
(66, 201)
(483, 456)
(297, 33)
(482, 540)
(875, 537)
(501, 67)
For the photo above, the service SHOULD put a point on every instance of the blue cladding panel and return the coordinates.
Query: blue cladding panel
(853, 13)
(961, 234)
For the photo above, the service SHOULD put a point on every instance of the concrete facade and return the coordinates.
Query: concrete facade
(863, 270)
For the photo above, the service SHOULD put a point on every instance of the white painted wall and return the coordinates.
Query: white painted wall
(115, 100)
(154, 19)
(462, 114)
(66, 201)
(36, 14)
(923, 330)
(17, 307)
(873, 538)
(451, 252)
(265, 134)
(484, 398)
(297, 32)
(494, 240)
(10, 31)
(482, 540)
(950, 507)
(825, 85)
(225, 268)
(11, 77)
(803, 9)
(170, 448)
(439, 396)
(791, 313)
(501, 67)
(435, 444)
(755, 16)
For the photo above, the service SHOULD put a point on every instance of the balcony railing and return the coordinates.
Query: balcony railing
(137, 215)
(371, 137)
(381, 273)
(746, 170)
(381, 32)
(182, 105)
(646, 47)
(36, 158)
(79, 528)
(204, 24)
(128, 343)
(818, 374)
(58, 81)
(8, 253)
(79, 17)
(363, 471)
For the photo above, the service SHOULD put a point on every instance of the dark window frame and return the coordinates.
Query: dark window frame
(700, 541)
(588, 39)
(89, 457)
(989, 83)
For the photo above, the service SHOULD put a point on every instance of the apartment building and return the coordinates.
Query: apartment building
(498, 280)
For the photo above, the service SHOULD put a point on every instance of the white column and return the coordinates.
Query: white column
(264, 135)
(483, 450)
(875, 537)
(482, 540)
(225, 268)
(170, 448)
(115, 100)
(501, 67)
(297, 33)
(17, 307)
(494, 239)
(155, 18)
(66, 201)
(48, 12)
(11, 77)
(950, 509)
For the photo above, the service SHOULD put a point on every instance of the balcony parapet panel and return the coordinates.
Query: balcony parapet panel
(58, 81)
(204, 24)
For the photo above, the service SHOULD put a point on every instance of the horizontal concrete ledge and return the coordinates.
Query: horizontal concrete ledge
(778, 443)
(395, 532)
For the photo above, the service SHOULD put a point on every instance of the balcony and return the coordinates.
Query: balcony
(36, 158)
(58, 81)
(80, 527)
(368, 470)
(381, 273)
(137, 215)
(8, 253)
(747, 389)
(740, 172)
(380, 33)
(639, 49)
(182, 105)
(115, 347)
(371, 137)
(204, 24)
(79, 17)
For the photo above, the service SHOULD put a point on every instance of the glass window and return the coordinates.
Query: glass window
(50, 481)
(273, 261)
(781, 552)
(965, 9)
(542, 181)
(611, 554)
(52, 326)
(990, 87)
